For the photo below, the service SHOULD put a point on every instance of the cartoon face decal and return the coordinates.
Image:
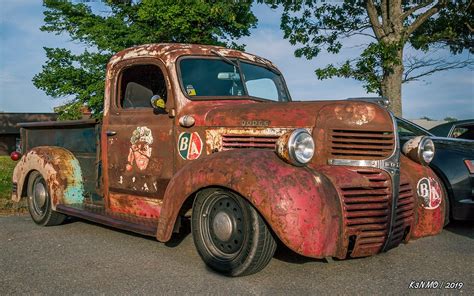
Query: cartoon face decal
(189, 145)
(140, 150)
(430, 191)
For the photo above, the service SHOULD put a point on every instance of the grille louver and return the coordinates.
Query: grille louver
(245, 141)
(361, 144)
(404, 214)
(366, 212)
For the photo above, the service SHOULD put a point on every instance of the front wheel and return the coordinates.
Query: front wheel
(39, 202)
(229, 234)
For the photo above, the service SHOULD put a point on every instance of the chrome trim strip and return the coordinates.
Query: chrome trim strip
(391, 165)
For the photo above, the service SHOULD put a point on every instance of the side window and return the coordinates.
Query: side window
(464, 132)
(139, 83)
(263, 88)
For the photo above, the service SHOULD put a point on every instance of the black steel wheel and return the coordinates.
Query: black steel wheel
(39, 202)
(229, 234)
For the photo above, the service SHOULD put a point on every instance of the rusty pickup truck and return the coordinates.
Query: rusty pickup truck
(211, 135)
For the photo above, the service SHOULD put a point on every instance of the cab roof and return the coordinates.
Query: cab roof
(170, 52)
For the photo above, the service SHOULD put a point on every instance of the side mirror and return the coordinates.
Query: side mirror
(158, 104)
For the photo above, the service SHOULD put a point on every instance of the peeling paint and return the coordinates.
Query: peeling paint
(74, 193)
(59, 168)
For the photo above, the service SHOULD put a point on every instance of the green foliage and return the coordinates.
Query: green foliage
(375, 60)
(81, 76)
(427, 118)
(315, 25)
(71, 110)
(6, 171)
(450, 119)
(452, 27)
(7, 206)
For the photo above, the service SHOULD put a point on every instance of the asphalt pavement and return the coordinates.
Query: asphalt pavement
(86, 258)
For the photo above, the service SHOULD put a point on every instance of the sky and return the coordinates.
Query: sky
(449, 93)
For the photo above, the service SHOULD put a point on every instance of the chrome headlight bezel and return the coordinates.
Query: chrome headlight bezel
(420, 149)
(426, 150)
(290, 144)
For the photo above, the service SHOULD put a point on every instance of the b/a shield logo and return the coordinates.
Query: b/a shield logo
(430, 191)
(189, 145)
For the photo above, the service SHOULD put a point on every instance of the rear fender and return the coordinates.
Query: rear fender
(59, 167)
(300, 205)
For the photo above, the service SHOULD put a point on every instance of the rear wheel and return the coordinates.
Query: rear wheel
(39, 202)
(229, 234)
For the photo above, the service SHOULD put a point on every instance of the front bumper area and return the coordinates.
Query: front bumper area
(371, 221)
(366, 203)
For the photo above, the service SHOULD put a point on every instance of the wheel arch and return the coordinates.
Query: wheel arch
(292, 200)
(23, 190)
(447, 187)
(189, 201)
(59, 167)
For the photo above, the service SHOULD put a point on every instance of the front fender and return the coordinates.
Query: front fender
(59, 167)
(299, 204)
(429, 219)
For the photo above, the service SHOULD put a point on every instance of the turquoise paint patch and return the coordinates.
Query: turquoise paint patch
(74, 193)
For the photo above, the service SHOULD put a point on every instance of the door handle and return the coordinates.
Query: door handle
(110, 133)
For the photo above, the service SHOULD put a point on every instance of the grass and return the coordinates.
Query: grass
(6, 205)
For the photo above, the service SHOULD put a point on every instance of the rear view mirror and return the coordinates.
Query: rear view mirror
(228, 76)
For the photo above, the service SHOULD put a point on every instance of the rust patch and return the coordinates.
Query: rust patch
(245, 137)
(60, 169)
(410, 148)
(427, 221)
(135, 205)
(355, 114)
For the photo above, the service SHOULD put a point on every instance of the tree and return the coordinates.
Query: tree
(427, 118)
(450, 119)
(389, 26)
(126, 23)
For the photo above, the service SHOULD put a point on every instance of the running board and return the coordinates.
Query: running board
(99, 215)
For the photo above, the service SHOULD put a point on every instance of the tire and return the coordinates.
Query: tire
(229, 234)
(39, 202)
(447, 209)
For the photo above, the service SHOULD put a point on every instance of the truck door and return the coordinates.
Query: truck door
(139, 140)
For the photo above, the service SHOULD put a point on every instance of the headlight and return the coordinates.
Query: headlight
(420, 149)
(427, 150)
(296, 147)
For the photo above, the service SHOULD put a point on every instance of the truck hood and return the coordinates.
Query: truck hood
(291, 114)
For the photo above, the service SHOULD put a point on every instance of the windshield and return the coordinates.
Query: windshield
(216, 77)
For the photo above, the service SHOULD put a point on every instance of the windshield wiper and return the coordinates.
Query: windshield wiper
(225, 58)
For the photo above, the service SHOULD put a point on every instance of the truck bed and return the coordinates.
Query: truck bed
(81, 137)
